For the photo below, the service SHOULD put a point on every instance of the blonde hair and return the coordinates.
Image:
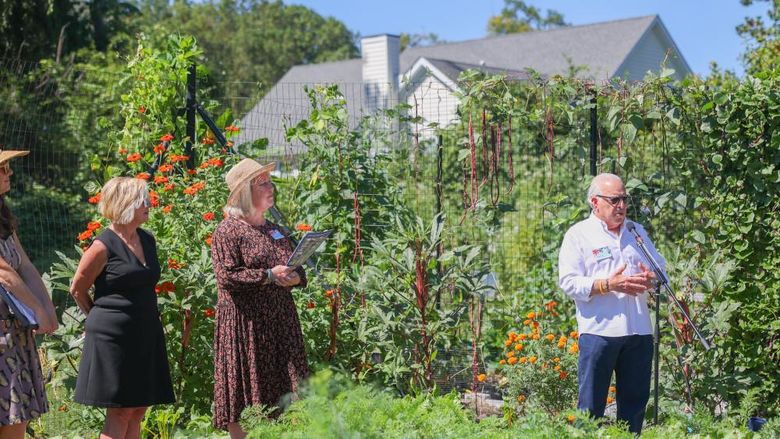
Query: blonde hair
(120, 197)
(239, 204)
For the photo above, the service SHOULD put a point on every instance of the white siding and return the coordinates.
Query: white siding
(380, 69)
(648, 56)
(434, 102)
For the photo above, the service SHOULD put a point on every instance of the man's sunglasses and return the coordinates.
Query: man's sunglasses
(617, 199)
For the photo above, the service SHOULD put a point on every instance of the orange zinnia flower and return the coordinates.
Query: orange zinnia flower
(141, 109)
(83, 236)
(310, 305)
(303, 227)
(173, 264)
(178, 158)
(563, 375)
(122, 151)
(95, 199)
(154, 198)
(209, 312)
(502, 362)
(143, 175)
(159, 179)
(159, 148)
(208, 240)
(207, 141)
(232, 128)
(571, 418)
(168, 187)
(329, 293)
(134, 157)
(166, 138)
(165, 168)
(167, 209)
(208, 216)
(94, 225)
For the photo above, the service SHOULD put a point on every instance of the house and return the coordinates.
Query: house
(426, 77)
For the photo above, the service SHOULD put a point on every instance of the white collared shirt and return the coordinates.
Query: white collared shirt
(589, 252)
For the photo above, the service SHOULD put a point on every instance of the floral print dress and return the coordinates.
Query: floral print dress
(259, 355)
(22, 395)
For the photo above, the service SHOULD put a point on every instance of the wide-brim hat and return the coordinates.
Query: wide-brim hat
(6, 155)
(244, 172)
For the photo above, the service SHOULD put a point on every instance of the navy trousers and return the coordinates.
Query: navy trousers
(631, 358)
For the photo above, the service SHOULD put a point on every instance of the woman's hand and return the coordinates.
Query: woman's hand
(46, 325)
(290, 280)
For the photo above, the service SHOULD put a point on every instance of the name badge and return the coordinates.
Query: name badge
(276, 235)
(602, 253)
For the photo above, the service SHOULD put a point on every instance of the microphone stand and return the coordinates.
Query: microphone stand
(664, 282)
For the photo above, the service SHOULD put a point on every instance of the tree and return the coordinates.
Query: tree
(418, 40)
(763, 45)
(517, 16)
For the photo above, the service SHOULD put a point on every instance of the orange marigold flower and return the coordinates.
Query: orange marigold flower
(167, 209)
(549, 337)
(574, 348)
(571, 418)
(94, 225)
(518, 347)
(550, 305)
(159, 148)
(209, 312)
(303, 227)
(94, 199)
(522, 336)
(166, 138)
(165, 168)
(574, 334)
(610, 400)
(329, 293)
(512, 360)
(531, 315)
(563, 375)
(536, 324)
(154, 198)
(535, 336)
(143, 175)
(83, 236)
(527, 322)
(134, 157)
(556, 360)
(502, 362)
(208, 216)
(173, 264)
(141, 109)
(612, 389)
(557, 367)
(532, 359)
(481, 377)
(520, 398)
(159, 179)
(563, 339)
(561, 345)
(523, 359)
(508, 343)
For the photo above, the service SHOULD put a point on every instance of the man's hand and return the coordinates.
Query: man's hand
(631, 285)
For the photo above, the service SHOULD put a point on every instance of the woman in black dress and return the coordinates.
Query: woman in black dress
(124, 365)
(259, 354)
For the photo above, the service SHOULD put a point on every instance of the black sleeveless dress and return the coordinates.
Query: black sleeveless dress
(124, 362)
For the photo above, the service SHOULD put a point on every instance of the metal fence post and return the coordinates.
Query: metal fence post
(191, 104)
(594, 126)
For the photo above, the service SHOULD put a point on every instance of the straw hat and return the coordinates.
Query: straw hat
(244, 172)
(6, 155)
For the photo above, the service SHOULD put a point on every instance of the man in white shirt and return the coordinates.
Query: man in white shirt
(601, 267)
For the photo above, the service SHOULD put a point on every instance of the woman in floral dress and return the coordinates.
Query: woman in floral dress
(259, 355)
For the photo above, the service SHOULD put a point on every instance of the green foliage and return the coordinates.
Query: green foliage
(516, 16)
(763, 46)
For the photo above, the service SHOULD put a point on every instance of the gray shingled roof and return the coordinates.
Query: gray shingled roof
(602, 47)
(453, 69)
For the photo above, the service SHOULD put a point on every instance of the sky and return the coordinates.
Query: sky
(704, 30)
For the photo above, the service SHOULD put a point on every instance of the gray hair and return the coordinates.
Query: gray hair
(595, 185)
(239, 204)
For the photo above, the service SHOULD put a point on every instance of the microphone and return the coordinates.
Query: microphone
(632, 228)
